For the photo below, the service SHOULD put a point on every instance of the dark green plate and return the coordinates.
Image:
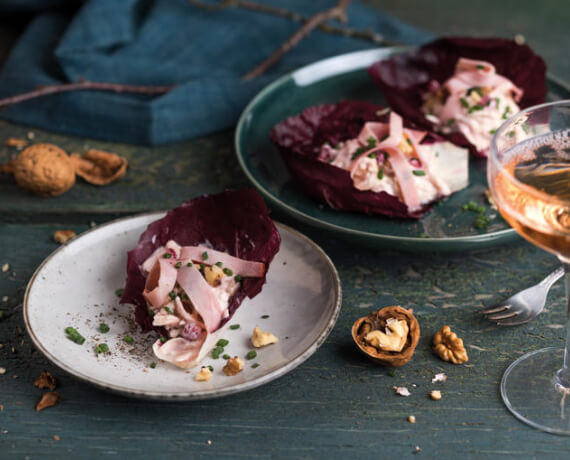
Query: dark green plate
(445, 228)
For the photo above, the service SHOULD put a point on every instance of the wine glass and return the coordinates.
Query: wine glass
(528, 171)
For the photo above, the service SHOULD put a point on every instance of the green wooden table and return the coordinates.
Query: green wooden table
(337, 404)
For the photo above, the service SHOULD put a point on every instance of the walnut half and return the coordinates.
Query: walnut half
(388, 336)
(449, 347)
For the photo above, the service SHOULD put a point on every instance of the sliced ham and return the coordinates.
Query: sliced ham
(405, 178)
(160, 282)
(201, 295)
(171, 246)
(245, 268)
(178, 351)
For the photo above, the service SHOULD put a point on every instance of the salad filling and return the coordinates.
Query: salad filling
(386, 157)
(474, 101)
(187, 292)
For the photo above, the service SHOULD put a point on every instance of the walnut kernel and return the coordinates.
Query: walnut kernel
(204, 375)
(62, 236)
(233, 366)
(449, 347)
(45, 380)
(394, 339)
(44, 169)
(435, 395)
(261, 338)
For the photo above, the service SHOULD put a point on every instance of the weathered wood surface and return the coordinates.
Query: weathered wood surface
(337, 404)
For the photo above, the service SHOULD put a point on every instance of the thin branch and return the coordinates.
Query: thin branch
(82, 86)
(338, 12)
(366, 34)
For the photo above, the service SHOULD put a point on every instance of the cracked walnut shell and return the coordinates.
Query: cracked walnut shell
(449, 347)
(385, 322)
(44, 169)
(98, 167)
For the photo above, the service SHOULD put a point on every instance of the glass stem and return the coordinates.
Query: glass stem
(563, 375)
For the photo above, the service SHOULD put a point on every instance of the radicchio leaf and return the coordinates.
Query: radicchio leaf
(405, 78)
(234, 221)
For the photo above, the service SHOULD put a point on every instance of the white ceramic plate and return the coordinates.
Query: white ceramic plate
(75, 286)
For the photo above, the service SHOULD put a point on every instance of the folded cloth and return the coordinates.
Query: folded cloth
(164, 42)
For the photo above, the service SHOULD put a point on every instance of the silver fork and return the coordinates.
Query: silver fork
(525, 305)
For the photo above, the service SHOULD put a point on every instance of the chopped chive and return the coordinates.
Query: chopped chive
(202, 266)
(371, 143)
(393, 373)
(102, 348)
(472, 206)
(424, 235)
(151, 312)
(238, 278)
(74, 335)
(168, 310)
(152, 365)
(189, 264)
(226, 356)
(265, 316)
(204, 255)
(359, 151)
(172, 295)
(506, 112)
(384, 137)
(119, 292)
(380, 174)
(178, 265)
(222, 343)
(409, 141)
(437, 154)
(451, 122)
(219, 264)
(372, 155)
(128, 339)
(251, 354)
(418, 172)
(163, 339)
(254, 365)
(234, 326)
(103, 328)
(475, 108)
(480, 67)
(216, 352)
(464, 102)
(482, 221)
(167, 255)
(493, 131)
(227, 271)
(211, 368)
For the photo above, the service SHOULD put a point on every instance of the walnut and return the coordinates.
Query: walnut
(99, 168)
(62, 236)
(44, 169)
(449, 347)
(233, 366)
(214, 275)
(435, 395)
(261, 338)
(49, 399)
(16, 142)
(204, 375)
(45, 380)
(388, 337)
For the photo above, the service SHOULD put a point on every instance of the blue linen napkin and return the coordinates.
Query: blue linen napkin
(165, 42)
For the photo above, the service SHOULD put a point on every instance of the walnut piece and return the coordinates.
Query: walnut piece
(98, 167)
(449, 347)
(388, 336)
(204, 375)
(49, 399)
(62, 236)
(214, 275)
(435, 395)
(16, 142)
(411, 419)
(233, 366)
(394, 339)
(262, 338)
(44, 169)
(45, 380)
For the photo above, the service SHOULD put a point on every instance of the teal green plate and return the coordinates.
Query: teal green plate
(445, 228)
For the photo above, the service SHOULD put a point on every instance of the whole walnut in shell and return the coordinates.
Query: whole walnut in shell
(44, 169)
(388, 336)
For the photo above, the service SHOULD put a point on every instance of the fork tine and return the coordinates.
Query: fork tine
(490, 311)
(508, 315)
(511, 322)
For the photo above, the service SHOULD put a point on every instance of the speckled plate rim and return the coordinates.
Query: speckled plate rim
(326, 68)
(195, 395)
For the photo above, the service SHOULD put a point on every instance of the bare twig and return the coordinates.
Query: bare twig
(82, 86)
(366, 34)
(338, 12)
